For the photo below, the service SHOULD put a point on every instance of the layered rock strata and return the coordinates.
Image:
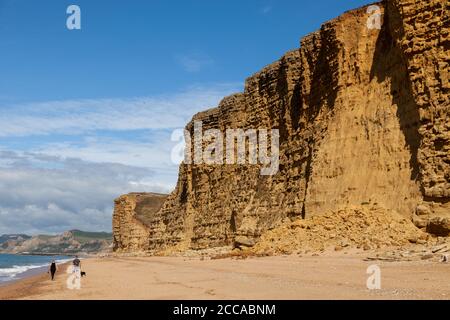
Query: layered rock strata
(362, 115)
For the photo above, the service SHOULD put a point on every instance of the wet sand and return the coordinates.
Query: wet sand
(338, 276)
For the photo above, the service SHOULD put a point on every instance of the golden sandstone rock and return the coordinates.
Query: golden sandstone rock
(132, 217)
(363, 121)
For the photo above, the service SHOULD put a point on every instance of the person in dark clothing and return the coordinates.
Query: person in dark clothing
(53, 269)
(77, 266)
(76, 262)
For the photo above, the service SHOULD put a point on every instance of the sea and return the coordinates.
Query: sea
(14, 267)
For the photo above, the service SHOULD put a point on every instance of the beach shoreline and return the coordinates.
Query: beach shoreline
(25, 275)
(336, 276)
(16, 267)
(29, 282)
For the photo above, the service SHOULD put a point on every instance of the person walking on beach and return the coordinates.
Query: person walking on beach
(74, 280)
(77, 267)
(53, 269)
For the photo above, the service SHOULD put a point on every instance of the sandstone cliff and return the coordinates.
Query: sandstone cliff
(363, 121)
(134, 222)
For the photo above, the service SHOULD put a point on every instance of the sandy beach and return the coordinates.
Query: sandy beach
(338, 276)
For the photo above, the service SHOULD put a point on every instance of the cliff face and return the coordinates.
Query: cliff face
(421, 32)
(363, 120)
(132, 220)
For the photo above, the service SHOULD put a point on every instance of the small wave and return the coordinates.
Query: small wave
(11, 273)
(63, 260)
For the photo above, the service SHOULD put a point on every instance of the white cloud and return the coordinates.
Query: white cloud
(65, 193)
(266, 9)
(76, 156)
(153, 154)
(81, 116)
(194, 62)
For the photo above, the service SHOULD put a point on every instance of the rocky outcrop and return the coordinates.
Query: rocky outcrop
(420, 30)
(366, 228)
(362, 120)
(132, 220)
(10, 238)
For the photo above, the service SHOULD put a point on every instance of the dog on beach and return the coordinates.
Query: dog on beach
(83, 274)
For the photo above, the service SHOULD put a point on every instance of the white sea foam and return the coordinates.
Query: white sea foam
(11, 273)
(7, 274)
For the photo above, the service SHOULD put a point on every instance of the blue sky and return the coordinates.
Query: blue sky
(108, 96)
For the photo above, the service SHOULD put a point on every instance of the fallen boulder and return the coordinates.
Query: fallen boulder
(242, 241)
(439, 226)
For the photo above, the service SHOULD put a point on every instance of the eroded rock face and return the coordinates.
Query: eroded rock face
(132, 215)
(439, 226)
(421, 31)
(363, 119)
